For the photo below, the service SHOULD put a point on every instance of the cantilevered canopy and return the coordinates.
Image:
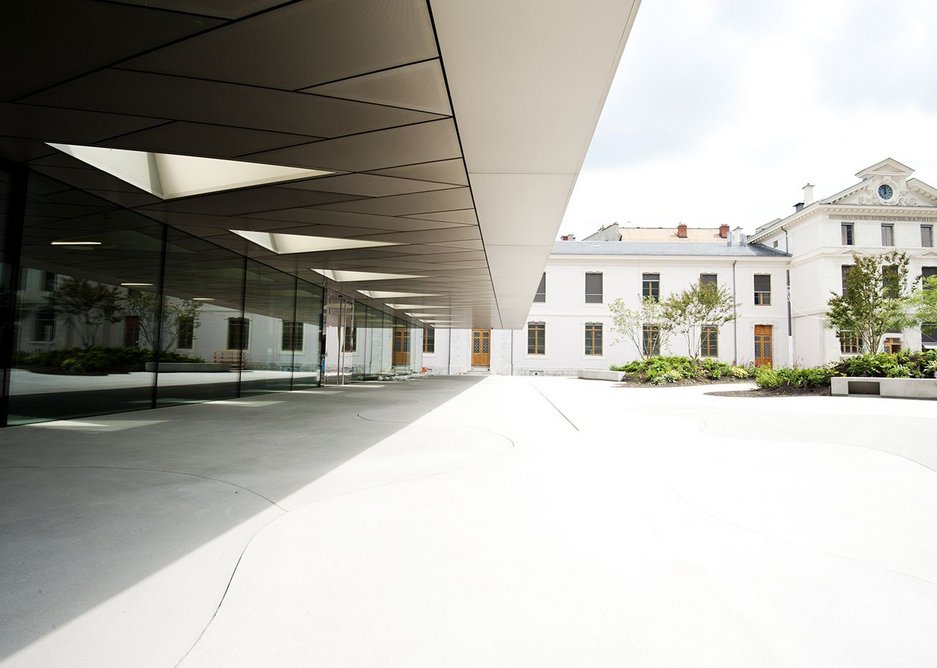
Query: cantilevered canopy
(445, 136)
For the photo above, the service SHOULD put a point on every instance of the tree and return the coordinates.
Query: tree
(175, 314)
(87, 306)
(629, 323)
(702, 304)
(924, 305)
(876, 299)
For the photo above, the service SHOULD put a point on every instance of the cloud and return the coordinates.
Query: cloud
(722, 111)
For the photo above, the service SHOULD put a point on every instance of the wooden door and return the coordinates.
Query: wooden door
(763, 346)
(481, 347)
(401, 355)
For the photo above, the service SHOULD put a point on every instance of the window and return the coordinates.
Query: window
(708, 279)
(774, 244)
(593, 338)
(429, 339)
(846, 229)
(593, 288)
(762, 289)
(350, 339)
(239, 330)
(48, 281)
(536, 338)
(844, 271)
(185, 333)
(44, 325)
(892, 344)
(849, 343)
(292, 336)
(541, 295)
(650, 286)
(888, 234)
(709, 341)
(650, 340)
(927, 236)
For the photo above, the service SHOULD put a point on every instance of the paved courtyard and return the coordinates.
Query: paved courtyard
(475, 521)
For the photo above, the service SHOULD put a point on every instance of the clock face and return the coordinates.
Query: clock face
(885, 191)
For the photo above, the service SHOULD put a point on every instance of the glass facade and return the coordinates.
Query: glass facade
(106, 310)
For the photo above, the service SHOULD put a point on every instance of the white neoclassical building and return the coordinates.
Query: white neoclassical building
(781, 278)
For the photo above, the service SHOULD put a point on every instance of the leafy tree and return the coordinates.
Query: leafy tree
(175, 313)
(875, 300)
(700, 304)
(924, 301)
(629, 323)
(87, 306)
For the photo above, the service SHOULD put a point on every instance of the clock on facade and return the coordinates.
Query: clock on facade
(885, 191)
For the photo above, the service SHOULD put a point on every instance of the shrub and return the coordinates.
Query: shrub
(903, 364)
(800, 378)
(742, 371)
(665, 377)
(88, 361)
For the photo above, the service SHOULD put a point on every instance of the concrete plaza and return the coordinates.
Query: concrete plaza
(475, 521)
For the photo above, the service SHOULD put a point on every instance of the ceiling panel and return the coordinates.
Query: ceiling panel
(248, 201)
(229, 9)
(459, 216)
(418, 86)
(368, 185)
(423, 142)
(402, 205)
(203, 139)
(304, 44)
(101, 33)
(66, 127)
(443, 171)
(154, 95)
(353, 220)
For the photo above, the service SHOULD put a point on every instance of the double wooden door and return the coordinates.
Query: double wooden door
(401, 350)
(763, 346)
(481, 347)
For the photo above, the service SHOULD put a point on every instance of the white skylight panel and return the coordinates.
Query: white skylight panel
(170, 176)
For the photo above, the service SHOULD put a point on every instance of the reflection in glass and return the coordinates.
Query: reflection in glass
(83, 342)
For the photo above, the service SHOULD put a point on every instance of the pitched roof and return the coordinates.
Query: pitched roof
(663, 249)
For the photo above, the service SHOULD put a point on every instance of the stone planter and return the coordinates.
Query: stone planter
(906, 388)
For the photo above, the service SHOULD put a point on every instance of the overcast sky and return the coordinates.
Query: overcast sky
(723, 109)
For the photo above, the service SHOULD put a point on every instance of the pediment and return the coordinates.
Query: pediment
(885, 183)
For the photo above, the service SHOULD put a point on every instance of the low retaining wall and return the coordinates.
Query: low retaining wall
(906, 388)
(180, 367)
(600, 374)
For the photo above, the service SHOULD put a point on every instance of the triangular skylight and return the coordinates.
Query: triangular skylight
(345, 276)
(388, 294)
(170, 176)
(301, 243)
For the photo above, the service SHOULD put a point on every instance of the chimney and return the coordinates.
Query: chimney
(798, 207)
(808, 194)
(681, 231)
(568, 237)
(723, 231)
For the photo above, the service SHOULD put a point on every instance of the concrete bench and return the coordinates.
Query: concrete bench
(906, 388)
(601, 374)
(180, 367)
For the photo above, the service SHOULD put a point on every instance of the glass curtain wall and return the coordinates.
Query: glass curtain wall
(204, 297)
(106, 310)
(306, 355)
(86, 303)
(274, 333)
